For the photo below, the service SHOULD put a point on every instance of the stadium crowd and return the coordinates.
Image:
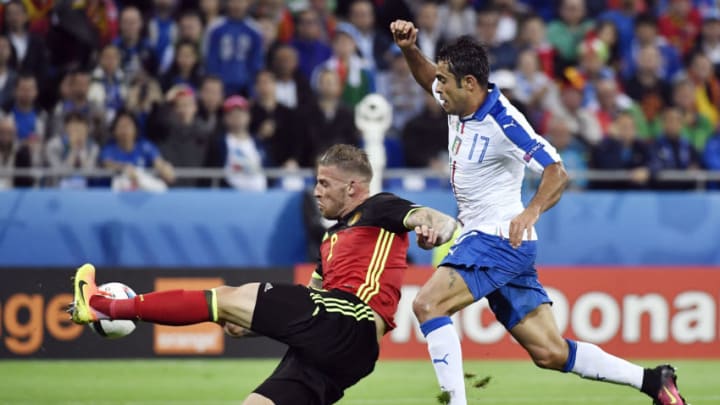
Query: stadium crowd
(145, 87)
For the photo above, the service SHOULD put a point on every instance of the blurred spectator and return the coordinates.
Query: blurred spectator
(533, 87)
(29, 52)
(646, 86)
(210, 105)
(429, 37)
(8, 76)
(356, 78)
(709, 42)
(236, 150)
(135, 50)
(673, 152)
(458, 18)
(74, 90)
(511, 12)
(269, 33)
(185, 139)
(143, 96)
(330, 121)
(292, 89)
(566, 33)
(30, 121)
(611, 101)
(74, 149)
(162, 31)
(646, 34)
(406, 99)
(501, 55)
(277, 13)
(423, 137)
(579, 119)
(309, 43)
(185, 69)
(696, 127)
(72, 39)
(328, 20)
(506, 82)
(12, 155)
(622, 150)
(129, 154)
(109, 83)
(103, 16)
(707, 87)
(533, 36)
(273, 124)
(210, 10)
(680, 25)
(591, 69)
(607, 32)
(623, 19)
(573, 152)
(234, 50)
(190, 28)
(39, 15)
(373, 45)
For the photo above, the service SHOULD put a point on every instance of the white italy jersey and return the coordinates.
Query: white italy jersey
(488, 155)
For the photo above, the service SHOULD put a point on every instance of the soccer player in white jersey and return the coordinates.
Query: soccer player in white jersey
(490, 143)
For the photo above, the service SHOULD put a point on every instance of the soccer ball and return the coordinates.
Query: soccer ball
(114, 329)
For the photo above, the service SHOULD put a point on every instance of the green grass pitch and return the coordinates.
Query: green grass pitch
(215, 382)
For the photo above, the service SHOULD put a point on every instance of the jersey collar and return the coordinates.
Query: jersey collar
(486, 106)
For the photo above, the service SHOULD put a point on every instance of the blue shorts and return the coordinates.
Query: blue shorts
(507, 277)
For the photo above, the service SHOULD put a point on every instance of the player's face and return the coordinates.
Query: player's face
(452, 96)
(331, 191)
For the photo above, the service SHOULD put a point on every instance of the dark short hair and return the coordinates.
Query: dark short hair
(645, 19)
(465, 56)
(75, 116)
(120, 114)
(348, 158)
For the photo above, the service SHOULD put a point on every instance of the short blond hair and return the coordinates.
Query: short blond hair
(348, 158)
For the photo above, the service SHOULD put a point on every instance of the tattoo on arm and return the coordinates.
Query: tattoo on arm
(453, 277)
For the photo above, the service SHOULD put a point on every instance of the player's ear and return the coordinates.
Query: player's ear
(469, 82)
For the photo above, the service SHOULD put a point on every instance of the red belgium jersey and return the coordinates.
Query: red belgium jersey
(365, 253)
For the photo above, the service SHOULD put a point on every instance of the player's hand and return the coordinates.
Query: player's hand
(426, 237)
(404, 33)
(522, 223)
(235, 330)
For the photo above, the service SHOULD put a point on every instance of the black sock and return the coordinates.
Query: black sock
(651, 382)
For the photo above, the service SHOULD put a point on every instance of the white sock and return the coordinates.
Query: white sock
(446, 355)
(593, 363)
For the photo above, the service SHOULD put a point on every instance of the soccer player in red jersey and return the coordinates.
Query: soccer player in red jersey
(333, 326)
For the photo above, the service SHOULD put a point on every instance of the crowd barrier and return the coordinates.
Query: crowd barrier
(200, 228)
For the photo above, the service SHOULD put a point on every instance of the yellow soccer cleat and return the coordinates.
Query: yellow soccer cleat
(85, 288)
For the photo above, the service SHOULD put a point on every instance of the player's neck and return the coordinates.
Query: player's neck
(475, 101)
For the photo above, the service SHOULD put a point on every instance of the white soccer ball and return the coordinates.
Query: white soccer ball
(115, 329)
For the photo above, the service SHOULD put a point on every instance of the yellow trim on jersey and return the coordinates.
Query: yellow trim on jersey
(371, 286)
(404, 222)
(316, 276)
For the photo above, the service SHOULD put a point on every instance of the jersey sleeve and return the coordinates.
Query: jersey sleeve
(391, 211)
(528, 147)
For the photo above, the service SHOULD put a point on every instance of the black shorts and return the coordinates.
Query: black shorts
(331, 337)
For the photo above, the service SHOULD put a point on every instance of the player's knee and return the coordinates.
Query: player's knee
(425, 308)
(549, 358)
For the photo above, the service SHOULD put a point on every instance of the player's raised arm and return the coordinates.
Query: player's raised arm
(433, 228)
(423, 70)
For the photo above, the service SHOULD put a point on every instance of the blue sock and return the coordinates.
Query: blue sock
(572, 351)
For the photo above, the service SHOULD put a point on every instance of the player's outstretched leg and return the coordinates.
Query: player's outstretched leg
(174, 307)
(444, 294)
(538, 334)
